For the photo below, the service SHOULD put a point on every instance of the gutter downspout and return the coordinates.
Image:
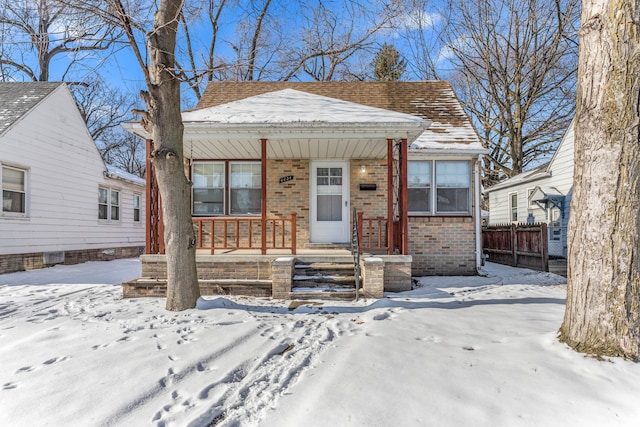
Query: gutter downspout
(478, 215)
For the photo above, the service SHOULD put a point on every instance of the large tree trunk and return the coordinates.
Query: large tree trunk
(165, 124)
(603, 296)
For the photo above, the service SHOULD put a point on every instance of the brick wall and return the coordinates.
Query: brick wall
(291, 196)
(32, 261)
(442, 246)
(235, 267)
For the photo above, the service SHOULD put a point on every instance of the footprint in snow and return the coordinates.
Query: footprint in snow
(9, 386)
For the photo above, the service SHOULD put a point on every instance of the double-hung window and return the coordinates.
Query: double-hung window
(136, 208)
(227, 188)
(245, 192)
(439, 187)
(108, 204)
(14, 191)
(513, 206)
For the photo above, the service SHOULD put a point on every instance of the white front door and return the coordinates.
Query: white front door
(329, 202)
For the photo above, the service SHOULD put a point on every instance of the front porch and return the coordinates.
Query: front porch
(277, 275)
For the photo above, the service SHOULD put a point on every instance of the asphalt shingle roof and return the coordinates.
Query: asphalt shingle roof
(431, 100)
(17, 98)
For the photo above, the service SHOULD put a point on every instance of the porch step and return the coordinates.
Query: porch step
(324, 295)
(322, 279)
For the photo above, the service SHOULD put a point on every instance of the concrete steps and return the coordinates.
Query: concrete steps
(323, 279)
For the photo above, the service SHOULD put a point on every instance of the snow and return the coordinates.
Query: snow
(456, 351)
(294, 106)
(442, 136)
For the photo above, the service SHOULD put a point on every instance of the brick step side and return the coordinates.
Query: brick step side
(147, 287)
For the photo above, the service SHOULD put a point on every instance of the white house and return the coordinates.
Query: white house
(540, 195)
(60, 203)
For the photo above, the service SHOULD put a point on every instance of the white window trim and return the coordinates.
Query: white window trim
(27, 191)
(139, 196)
(434, 190)
(109, 220)
(226, 185)
(510, 203)
(230, 188)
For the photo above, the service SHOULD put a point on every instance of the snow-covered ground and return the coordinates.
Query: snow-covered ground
(457, 351)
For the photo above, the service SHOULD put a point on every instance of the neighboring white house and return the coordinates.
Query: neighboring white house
(60, 203)
(540, 195)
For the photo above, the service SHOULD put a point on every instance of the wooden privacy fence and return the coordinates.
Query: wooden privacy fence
(518, 245)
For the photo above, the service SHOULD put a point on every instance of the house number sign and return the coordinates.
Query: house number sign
(286, 178)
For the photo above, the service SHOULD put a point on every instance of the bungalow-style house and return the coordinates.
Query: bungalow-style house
(286, 174)
(60, 203)
(539, 195)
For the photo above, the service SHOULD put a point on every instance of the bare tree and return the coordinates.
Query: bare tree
(35, 33)
(332, 37)
(102, 107)
(123, 150)
(154, 48)
(602, 316)
(422, 26)
(515, 63)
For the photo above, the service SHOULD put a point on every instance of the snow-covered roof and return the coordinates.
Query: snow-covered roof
(295, 107)
(532, 175)
(117, 173)
(435, 101)
(18, 98)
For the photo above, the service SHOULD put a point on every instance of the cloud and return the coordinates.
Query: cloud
(418, 19)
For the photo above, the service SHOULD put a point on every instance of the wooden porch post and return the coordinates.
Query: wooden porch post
(390, 226)
(404, 197)
(263, 201)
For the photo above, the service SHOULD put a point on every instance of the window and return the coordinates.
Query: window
(208, 188)
(419, 186)
(453, 183)
(108, 204)
(245, 193)
(14, 191)
(513, 206)
(136, 208)
(213, 195)
(451, 180)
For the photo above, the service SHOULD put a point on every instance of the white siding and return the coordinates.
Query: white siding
(64, 172)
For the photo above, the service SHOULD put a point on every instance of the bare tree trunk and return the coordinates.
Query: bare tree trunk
(603, 296)
(165, 124)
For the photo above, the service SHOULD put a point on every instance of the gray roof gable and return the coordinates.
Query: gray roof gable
(18, 98)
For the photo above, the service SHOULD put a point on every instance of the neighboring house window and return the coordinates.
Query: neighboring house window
(451, 180)
(136, 208)
(227, 188)
(245, 193)
(14, 191)
(513, 206)
(108, 204)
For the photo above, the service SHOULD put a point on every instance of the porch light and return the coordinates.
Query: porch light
(363, 168)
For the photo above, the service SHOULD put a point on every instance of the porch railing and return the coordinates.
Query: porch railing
(237, 233)
(373, 233)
